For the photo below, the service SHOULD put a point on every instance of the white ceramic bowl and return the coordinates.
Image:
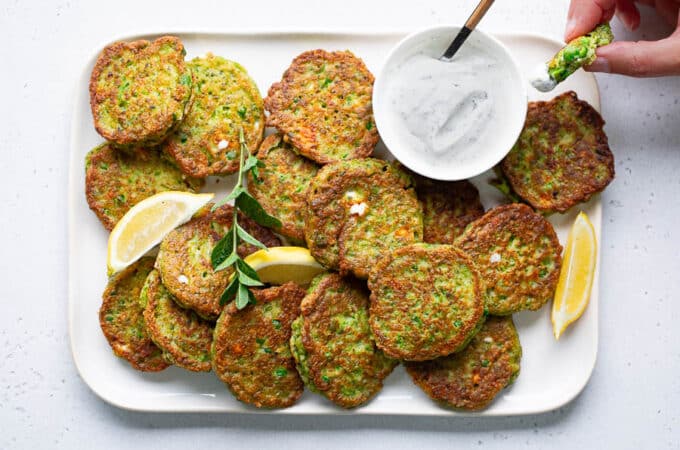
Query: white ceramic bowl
(502, 138)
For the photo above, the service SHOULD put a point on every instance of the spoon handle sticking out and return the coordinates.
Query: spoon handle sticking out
(470, 25)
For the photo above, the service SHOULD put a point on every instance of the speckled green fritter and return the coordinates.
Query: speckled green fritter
(359, 210)
(562, 156)
(251, 352)
(184, 337)
(448, 206)
(332, 343)
(225, 99)
(122, 321)
(518, 255)
(115, 181)
(184, 258)
(323, 106)
(140, 91)
(426, 301)
(471, 378)
(281, 185)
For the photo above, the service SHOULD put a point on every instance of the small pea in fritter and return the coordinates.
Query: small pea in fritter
(251, 352)
(115, 181)
(332, 343)
(323, 106)
(122, 321)
(140, 91)
(281, 185)
(426, 301)
(562, 156)
(448, 206)
(184, 337)
(225, 99)
(518, 255)
(358, 210)
(471, 378)
(184, 258)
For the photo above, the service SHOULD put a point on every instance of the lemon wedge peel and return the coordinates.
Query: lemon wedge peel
(146, 224)
(574, 286)
(278, 265)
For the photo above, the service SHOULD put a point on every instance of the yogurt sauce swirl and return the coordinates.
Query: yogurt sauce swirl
(448, 111)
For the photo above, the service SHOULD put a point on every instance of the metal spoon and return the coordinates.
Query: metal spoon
(470, 25)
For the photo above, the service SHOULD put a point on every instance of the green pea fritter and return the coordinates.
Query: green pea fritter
(518, 255)
(448, 206)
(426, 301)
(323, 106)
(122, 321)
(359, 210)
(251, 352)
(334, 350)
(562, 156)
(140, 91)
(225, 100)
(184, 258)
(183, 337)
(471, 378)
(281, 185)
(115, 181)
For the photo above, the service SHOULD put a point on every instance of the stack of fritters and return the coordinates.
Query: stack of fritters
(443, 276)
(168, 123)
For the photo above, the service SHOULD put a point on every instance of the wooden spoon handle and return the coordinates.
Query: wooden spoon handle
(478, 13)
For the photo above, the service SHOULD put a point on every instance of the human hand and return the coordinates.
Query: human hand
(638, 59)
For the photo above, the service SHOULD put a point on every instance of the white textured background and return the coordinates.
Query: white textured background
(632, 400)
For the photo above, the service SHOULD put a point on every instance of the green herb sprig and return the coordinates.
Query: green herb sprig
(225, 253)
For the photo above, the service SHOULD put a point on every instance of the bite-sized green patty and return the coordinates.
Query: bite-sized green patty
(115, 180)
(448, 206)
(332, 343)
(426, 301)
(122, 321)
(184, 261)
(518, 255)
(323, 106)
(251, 352)
(139, 91)
(225, 99)
(562, 156)
(184, 337)
(359, 210)
(281, 185)
(471, 378)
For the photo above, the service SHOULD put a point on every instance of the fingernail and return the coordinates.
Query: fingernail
(569, 29)
(600, 64)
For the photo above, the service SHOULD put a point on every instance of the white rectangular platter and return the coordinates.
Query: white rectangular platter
(552, 373)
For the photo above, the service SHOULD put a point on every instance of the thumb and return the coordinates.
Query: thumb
(639, 59)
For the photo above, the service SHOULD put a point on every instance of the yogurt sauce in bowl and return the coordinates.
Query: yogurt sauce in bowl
(449, 120)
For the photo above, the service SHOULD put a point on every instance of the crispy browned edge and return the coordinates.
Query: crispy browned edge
(273, 104)
(226, 337)
(492, 380)
(161, 340)
(317, 360)
(138, 360)
(103, 60)
(520, 212)
(380, 275)
(541, 111)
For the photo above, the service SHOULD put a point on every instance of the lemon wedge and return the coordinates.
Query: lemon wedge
(576, 277)
(147, 223)
(278, 265)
